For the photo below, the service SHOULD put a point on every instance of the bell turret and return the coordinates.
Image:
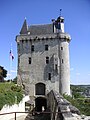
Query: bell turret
(58, 24)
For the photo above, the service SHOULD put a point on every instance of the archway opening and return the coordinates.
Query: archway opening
(40, 104)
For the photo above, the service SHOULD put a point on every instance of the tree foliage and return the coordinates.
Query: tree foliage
(15, 80)
(78, 100)
(3, 72)
(10, 94)
(80, 103)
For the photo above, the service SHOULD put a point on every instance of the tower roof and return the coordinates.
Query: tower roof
(40, 29)
(24, 28)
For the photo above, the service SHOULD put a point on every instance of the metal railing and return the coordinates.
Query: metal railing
(32, 113)
(15, 117)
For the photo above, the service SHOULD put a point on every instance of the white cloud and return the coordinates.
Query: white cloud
(8, 75)
(71, 69)
(14, 71)
(88, 73)
(77, 73)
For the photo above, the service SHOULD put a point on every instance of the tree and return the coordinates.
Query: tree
(15, 80)
(3, 73)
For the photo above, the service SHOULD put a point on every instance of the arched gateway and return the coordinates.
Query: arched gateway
(40, 104)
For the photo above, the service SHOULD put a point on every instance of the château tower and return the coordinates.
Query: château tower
(43, 58)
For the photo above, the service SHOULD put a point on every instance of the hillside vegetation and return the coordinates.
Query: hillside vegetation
(10, 94)
(78, 100)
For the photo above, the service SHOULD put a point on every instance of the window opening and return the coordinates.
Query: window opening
(47, 60)
(61, 48)
(32, 48)
(62, 60)
(29, 60)
(46, 47)
(56, 67)
(49, 76)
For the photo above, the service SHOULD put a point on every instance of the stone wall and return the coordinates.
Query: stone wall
(57, 103)
(38, 70)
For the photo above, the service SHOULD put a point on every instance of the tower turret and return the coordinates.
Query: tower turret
(64, 68)
(24, 28)
(63, 54)
(60, 24)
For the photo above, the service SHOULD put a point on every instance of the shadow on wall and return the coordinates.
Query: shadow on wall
(50, 69)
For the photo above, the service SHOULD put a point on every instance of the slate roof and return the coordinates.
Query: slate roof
(24, 28)
(40, 29)
(36, 29)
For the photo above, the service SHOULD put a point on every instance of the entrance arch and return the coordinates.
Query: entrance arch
(40, 89)
(40, 104)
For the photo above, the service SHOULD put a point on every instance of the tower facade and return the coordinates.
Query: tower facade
(43, 58)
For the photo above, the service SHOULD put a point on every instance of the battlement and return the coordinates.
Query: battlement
(61, 36)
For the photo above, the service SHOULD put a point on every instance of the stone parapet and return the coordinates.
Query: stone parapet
(57, 103)
(61, 36)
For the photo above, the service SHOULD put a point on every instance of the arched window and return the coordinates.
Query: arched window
(40, 89)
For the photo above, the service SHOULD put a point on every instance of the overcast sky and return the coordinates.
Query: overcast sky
(77, 24)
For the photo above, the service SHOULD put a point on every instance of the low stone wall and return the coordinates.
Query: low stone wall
(57, 103)
(14, 108)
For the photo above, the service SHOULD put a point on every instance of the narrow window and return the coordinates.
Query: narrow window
(18, 46)
(47, 60)
(49, 76)
(61, 48)
(62, 60)
(29, 60)
(26, 41)
(18, 60)
(22, 41)
(32, 48)
(46, 47)
(56, 68)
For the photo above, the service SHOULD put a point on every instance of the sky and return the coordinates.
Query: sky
(77, 23)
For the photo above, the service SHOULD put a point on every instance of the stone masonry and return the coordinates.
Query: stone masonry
(43, 58)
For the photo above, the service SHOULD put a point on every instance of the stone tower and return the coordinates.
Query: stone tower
(43, 58)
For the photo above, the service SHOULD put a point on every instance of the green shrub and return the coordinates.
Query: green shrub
(16, 88)
(80, 104)
(10, 94)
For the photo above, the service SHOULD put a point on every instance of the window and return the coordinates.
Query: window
(40, 89)
(62, 60)
(18, 45)
(46, 47)
(56, 68)
(47, 60)
(61, 48)
(22, 41)
(29, 60)
(32, 48)
(49, 76)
